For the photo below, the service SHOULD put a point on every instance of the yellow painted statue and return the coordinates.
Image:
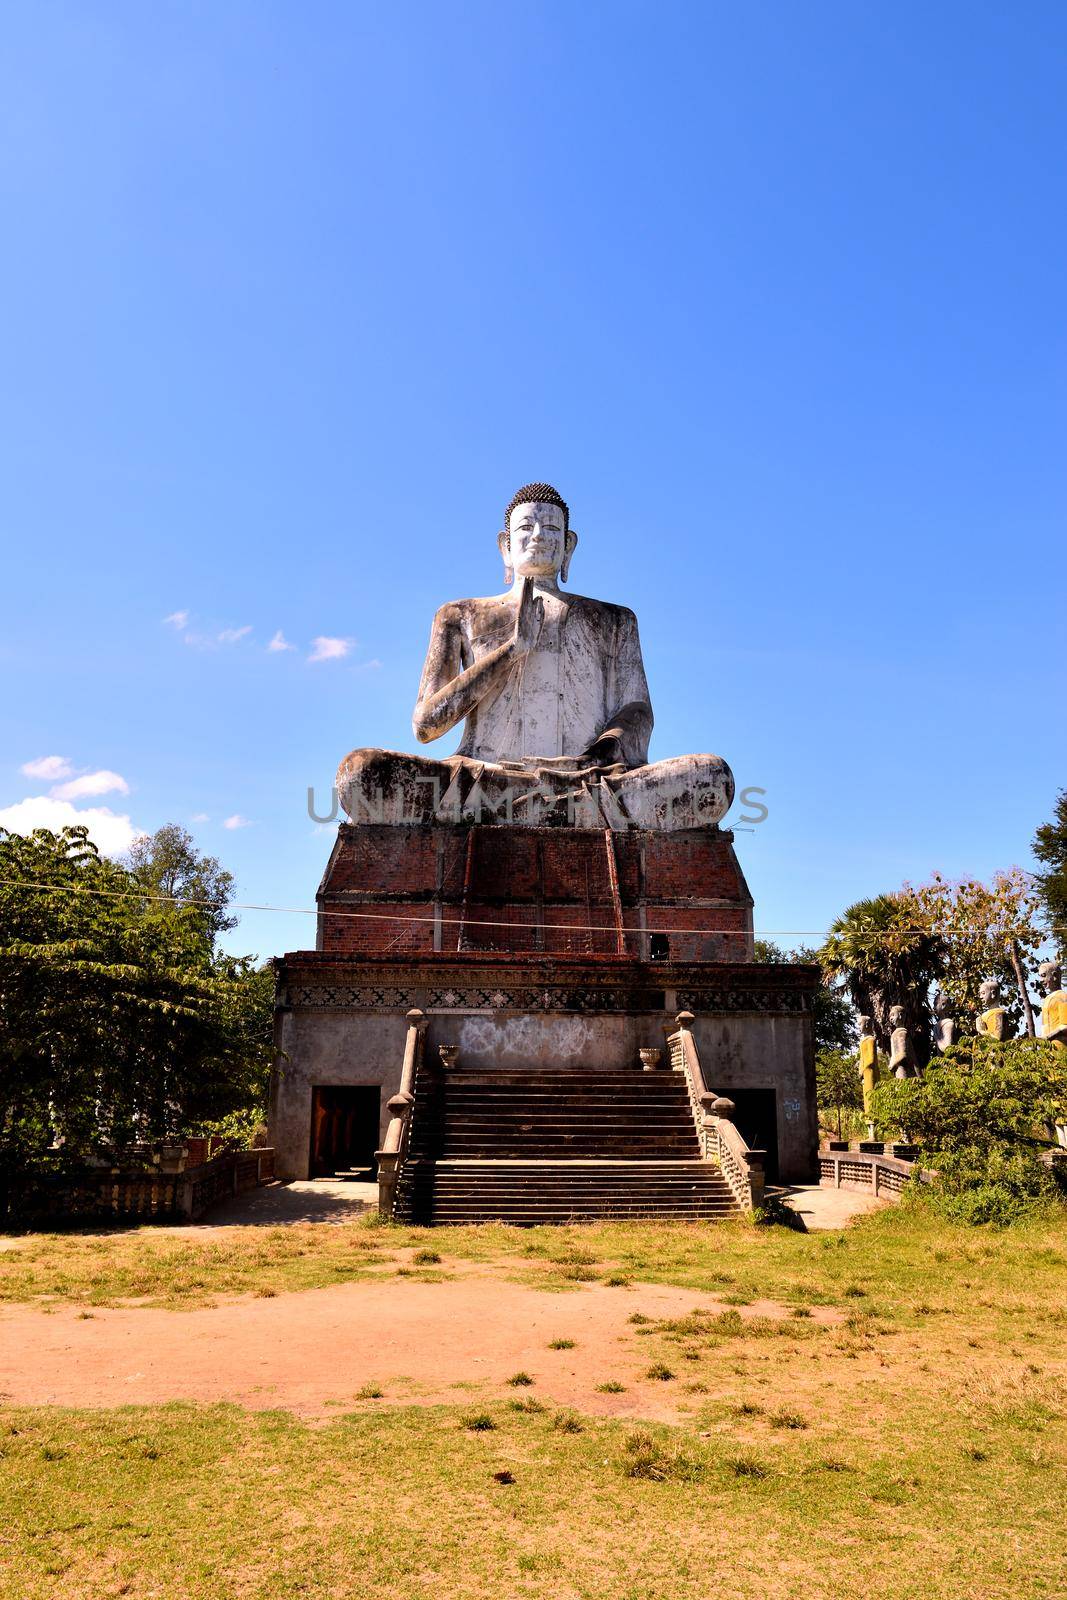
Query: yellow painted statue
(992, 1022)
(869, 1069)
(1054, 1022)
(1054, 1005)
(869, 1066)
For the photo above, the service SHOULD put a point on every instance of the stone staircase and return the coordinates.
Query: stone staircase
(551, 1146)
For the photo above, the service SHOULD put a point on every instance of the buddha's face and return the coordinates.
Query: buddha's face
(989, 992)
(896, 1017)
(536, 542)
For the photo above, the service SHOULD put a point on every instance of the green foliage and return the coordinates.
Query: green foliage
(167, 863)
(118, 1020)
(987, 930)
(979, 1095)
(995, 1186)
(981, 1115)
(1050, 848)
(838, 1085)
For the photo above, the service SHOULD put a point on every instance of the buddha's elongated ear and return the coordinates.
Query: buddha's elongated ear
(570, 539)
(503, 539)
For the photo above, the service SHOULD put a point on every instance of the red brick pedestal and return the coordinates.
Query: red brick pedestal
(446, 888)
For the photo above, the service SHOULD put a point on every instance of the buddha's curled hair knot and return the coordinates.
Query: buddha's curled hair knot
(537, 491)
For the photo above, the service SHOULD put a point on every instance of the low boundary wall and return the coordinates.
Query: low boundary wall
(869, 1169)
(102, 1194)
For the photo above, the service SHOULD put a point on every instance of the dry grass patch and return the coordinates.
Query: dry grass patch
(959, 1470)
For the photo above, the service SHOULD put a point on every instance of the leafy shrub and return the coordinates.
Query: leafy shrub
(980, 1116)
(994, 1187)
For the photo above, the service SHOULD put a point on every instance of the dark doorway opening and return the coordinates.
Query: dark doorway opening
(659, 947)
(757, 1122)
(344, 1129)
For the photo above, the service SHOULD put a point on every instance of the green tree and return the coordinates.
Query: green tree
(1050, 848)
(167, 863)
(986, 931)
(838, 1086)
(882, 952)
(118, 1021)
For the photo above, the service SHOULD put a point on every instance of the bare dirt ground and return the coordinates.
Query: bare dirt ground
(309, 1352)
(420, 1342)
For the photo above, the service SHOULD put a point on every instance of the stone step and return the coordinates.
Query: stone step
(549, 1112)
(645, 1088)
(623, 1094)
(564, 1144)
(633, 1074)
(517, 1123)
(532, 1145)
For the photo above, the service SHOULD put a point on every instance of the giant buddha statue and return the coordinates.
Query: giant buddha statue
(551, 689)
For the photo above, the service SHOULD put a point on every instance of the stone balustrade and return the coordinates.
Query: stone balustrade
(720, 1139)
(390, 1157)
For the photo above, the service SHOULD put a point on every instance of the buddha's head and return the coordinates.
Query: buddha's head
(989, 992)
(537, 540)
(942, 1004)
(896, 1016)
(1051, 976)
(866, 1027)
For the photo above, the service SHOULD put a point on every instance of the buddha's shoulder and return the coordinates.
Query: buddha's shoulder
(482, 609)
(606, 610)
(461, 613)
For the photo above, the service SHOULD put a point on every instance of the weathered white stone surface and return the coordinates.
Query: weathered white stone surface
(552, 692)
(903, 1062)
(945, 1026)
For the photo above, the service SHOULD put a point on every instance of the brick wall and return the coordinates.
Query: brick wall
(562, 879)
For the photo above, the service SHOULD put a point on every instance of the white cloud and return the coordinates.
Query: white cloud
(232, 635)
(51, 768)
(280, 642)
(91, 783)
(114, 834)
(372, 665)
(199, 816)
(177, 619)
(326, 649)
(236, 821)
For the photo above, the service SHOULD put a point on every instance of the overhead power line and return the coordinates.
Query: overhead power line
(469, 922)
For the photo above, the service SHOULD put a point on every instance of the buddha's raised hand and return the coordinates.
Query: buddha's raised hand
(528, 622)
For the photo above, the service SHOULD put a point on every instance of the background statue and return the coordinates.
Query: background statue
(869, 1068)
(1054, 1022)
(945, 1027)
(993, 1022)
(902, 1058)
(551, 690)
(1054, 1006)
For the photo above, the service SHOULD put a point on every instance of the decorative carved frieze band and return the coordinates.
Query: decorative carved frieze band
(343, 997)
(546, 999)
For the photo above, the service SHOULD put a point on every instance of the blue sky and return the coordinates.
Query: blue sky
(296, 296)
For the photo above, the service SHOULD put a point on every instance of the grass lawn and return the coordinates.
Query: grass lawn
(905, 1255)
(917, 1447)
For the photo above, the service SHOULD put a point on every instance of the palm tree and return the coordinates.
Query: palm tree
(878, 949)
